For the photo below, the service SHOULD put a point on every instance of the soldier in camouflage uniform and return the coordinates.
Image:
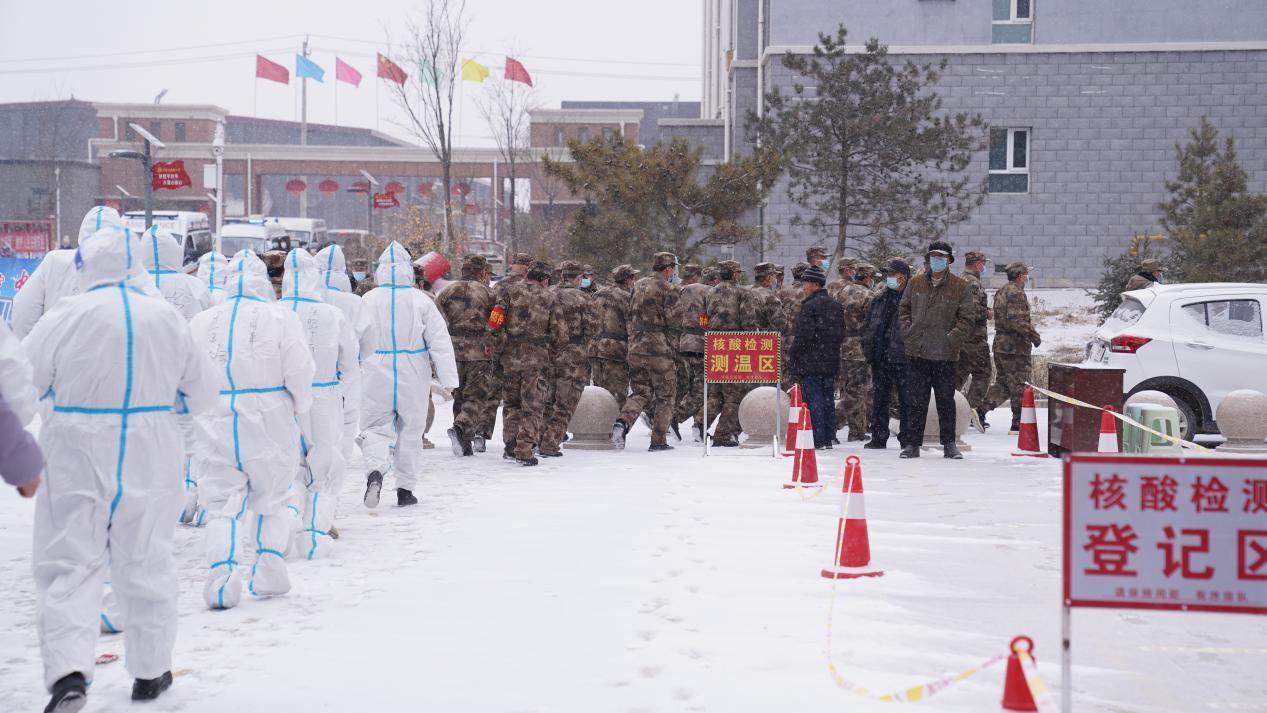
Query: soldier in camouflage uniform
(728, 308)
(816, 256)
(466, 305)
(1014, 335)
(711, 276)
(974, 356)
(844, 268)
(791, 297)
(854, 384)
(519, 264)
(771, 316)
(652, 375)
(534, 326)
(690, 350)
(609, 351)
(588, 283)
(569, 366)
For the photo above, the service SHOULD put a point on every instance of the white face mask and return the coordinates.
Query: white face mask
(891, 283)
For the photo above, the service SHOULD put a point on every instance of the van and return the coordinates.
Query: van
(307, 233)
(258, 237)
(191, 229)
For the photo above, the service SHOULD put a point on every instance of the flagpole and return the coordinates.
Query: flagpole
(303, 132)
(255, 93)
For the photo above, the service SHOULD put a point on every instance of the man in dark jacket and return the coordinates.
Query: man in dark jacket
(815, 355)
(885, 352)
(936, 315)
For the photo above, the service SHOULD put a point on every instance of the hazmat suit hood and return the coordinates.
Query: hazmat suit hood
(248, 277)
(213, 270)
(395, 267)
(102, 258)
(334, 269)
(160, 254)
(302, 278)
(99, 217)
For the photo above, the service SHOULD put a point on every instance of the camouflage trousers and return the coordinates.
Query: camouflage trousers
(654, 382)
(1011, 373)
(974, 364)
(568, 376)
(723, 403)
(472, 396)
(612, 375)
(488, 412)
(853, 385)
(690, 387)
(524, 397)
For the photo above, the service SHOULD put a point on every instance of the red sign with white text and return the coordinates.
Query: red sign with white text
(170, 175)
(1166, 533)
(742, 357)
(386, 200)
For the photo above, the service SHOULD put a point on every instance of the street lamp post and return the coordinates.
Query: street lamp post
(369, 194)
(151, 142)
(217, 150)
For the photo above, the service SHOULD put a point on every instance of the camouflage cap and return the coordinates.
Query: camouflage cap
(864, 269)
(1152, 264)
(711, 273)
(974, 256)
(620, 273)
(816, 251)
(763, 269)
(690, 269)
(1016, 268)
(474, 263)
(570, 269)
(541, 267)
(661, 261)
(846, 263)
(799, 269)
(521, 259)
(587, 269)
(778, 269)
(729, 269)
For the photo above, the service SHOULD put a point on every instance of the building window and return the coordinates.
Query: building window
(180, 131)
(1009, 160)
(608, 133)
(583, 134)
(559, 136)
(128, 133)
(156, 128)
(1013, 22)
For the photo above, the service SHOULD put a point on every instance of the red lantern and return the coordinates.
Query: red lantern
(461, 189)
(295, 185)
(424, 189)
(471, 208)
(394, 187)
(328, 186)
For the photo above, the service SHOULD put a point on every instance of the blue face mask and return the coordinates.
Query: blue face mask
(826, 264)
(585, 282)
(890, 282)
(359, 276)
(937, 264)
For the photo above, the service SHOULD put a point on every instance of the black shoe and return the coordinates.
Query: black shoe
(909, 452)
(477, 444)
(508, 454)
(676, 433)
(698, 429)
(851, 437)
(725, 442)
(875, 445)
(981, 417)
(549, 454)
(373, 488)
(566, 436)
(405, 498)
(1015, 429)
(147, 689)
(527, 462)
(952, 452)
(660, 447)
(460, 443)
(70, 694)
(835, 441)
(619, 431)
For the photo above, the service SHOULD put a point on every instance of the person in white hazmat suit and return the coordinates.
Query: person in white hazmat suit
(213, 268)
(116, 368)
(412, 337)
(338, 292)
(248, 450)
(334, 352)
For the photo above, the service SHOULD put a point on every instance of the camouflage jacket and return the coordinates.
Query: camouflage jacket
(686, 317)
(529, 317)
(578, 314)
(1013, 332)
(791, 298)
(980, 323)
(651, 323)
(769, 310)
(612, 307)
(465, 305)
(854, 300)
(729, 308)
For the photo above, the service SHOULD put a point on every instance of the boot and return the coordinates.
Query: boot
(70, 694)
(981, 417)
(660, 447)
(373, 488)
(459, 442)
(549, 454)
(951, 451)
(527, 462)
(477, 444)
(619, 431)
(909, 452)
(875, 445)
(405, 498)
(147, 689)
(698, 429)
(727, 442)
(508, 454)
(676, 433)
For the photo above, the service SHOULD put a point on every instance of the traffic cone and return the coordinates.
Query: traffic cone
(1108, 431)
(853, 547)
(794, 408)
(805, 464)
(1016, 695)
(1027, 439)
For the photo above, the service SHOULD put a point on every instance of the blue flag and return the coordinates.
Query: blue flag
(307, 69)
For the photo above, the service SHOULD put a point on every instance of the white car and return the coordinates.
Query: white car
(1195, 342)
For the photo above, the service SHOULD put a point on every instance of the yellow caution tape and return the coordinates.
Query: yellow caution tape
(1037, 689)
(1121, 417)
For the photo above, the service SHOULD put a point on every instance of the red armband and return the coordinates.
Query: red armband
(703, 320)
(496, 318)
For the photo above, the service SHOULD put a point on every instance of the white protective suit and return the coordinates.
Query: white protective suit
(248, 446)
(163, 260)
(334, 352)
(114, 365)
(338, 292)
(213, 269)
(15, 377)
(56, 277)
(412, 337)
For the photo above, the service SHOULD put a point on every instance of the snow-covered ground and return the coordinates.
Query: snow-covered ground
(632, 581)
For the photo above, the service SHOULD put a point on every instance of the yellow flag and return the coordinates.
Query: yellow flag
(474, 71)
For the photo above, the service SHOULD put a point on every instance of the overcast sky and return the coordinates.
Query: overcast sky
(573, 49)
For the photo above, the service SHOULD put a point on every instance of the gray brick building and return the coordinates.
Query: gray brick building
(1085, 99)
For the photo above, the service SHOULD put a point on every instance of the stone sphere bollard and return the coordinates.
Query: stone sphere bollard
(1159, 398)
(1242, 418)
(963, 417)
(591, 424)
(756, 416)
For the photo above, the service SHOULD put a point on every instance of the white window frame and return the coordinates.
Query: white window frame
(1012, 18)
(583, 134)
(560, 136)
(1009, 164)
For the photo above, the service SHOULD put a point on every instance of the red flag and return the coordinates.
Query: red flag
(389, 70)
(344, 72)
(515, 72)
(272, 71)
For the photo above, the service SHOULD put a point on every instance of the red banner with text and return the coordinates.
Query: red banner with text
(742, 357)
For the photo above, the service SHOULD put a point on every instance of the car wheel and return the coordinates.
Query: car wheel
(1187, 415)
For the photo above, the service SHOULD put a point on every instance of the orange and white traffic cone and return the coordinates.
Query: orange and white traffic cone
(853, 547)
(1108, 431)
(805, 464)
(1027, 439)
(1016, 693)
(794, 408)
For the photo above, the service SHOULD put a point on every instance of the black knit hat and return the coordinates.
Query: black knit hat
(814, 273)
(941, 246)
